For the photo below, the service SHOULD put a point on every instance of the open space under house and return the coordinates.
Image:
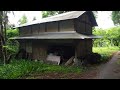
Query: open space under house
(58, 38)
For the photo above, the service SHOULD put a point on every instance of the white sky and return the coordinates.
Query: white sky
(103, 19)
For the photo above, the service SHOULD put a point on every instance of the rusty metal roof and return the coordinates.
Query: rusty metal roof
(58, 35)
(63, 16)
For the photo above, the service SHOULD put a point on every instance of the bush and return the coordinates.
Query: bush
(93, 58)
(105, 52)
(12, 33)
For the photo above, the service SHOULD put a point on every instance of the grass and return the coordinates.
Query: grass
(106, 52)
(18, 69)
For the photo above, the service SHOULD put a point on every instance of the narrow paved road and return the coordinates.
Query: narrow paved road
(110, 70)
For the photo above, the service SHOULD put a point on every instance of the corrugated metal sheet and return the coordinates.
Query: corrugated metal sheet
(59, 35)
(64, 16)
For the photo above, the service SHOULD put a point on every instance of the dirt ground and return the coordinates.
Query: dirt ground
(109, 70)
(89, 74)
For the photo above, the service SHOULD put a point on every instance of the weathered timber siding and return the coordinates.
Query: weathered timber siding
(89, 45)
(22, 44)
(42, 28)
(67, 25)
(88, 25)
(21, 31)
(28, 30)
(35, 29)
(29, 47)
(39, 51)
(25, 31)
(52, 27)
(83, 48)
(83, 25)
(80, 48)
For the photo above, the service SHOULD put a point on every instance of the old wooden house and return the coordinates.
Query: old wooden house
(66, 35)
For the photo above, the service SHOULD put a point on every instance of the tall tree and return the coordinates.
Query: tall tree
(51, 13)
(23, 20)
(3, 39)
(116, 17)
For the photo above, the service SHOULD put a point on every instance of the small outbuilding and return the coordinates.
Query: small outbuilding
(64, 35)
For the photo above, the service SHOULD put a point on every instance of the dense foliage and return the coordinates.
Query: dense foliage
(51, 13)
(20, 68)
(116, 17)
(108, 44)
(105, 52)
(110, 37)
(12, 45)
(23, 20)
(12, 33)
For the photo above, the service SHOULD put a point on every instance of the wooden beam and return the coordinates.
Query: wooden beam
(85, 25)
(58, 26)
(39, 28)
(45, 27)
(74, 22)
(32, 49)
(31, 30)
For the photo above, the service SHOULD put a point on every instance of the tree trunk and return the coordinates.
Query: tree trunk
(2, 37)
(5, 39)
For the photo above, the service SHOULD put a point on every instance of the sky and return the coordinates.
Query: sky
(103, 18)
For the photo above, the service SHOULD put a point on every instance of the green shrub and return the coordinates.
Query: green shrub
(12, 33)
(105, 52)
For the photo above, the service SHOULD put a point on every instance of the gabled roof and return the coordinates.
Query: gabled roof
(58, 35)
(59, 17)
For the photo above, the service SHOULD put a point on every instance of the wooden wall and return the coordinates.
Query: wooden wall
(52, 27)
(22, 44)
(38, 48)
(67, 25)
(83, 25)
(89, 45)
(42, 28)
(29, 47)
(35, 29)
(26, 45)
(35, 49)
(83, 47)
(25, 31)
(39, 51)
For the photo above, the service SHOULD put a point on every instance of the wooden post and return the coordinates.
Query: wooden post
(76, 59)
(45, 27)
(58, 26)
